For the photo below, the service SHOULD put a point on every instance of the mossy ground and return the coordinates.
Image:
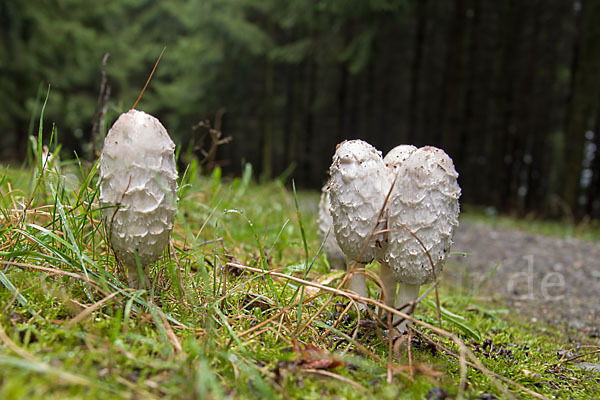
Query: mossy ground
(72, 330)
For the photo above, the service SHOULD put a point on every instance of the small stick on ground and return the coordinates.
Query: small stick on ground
(336, 376)
(87, 311)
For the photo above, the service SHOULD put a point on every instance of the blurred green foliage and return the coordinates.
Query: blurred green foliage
(212, 47)
(508, 90)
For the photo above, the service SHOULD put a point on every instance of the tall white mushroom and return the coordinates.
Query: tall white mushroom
(138, 190)
(335, 255)
(357, 187)
(421, 215)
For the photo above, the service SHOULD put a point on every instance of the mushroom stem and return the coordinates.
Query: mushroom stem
(397, 296)
(389, 284)
(406, 294)
(357, 282)
(134, 279)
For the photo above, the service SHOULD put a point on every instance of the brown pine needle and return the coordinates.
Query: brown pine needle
(82, 315)
(170, 334)
(150, 77)
(45, 269)
(336, 376)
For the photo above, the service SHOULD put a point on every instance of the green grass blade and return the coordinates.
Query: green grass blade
(11, 288)
(454, 319)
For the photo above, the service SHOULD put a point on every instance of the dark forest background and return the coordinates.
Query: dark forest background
(510, 89)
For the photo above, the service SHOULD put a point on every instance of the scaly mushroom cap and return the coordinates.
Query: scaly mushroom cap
(396, 156)
(335, 255)
(358, 187)
(138, 187)
(424, 201)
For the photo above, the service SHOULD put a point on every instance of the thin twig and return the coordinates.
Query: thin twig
(150, 77)
(45, 269)
(170, 334)
(87, 311)
(336, 376)
(576, 357)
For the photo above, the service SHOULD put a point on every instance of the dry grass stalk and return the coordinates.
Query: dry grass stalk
(465, 352)
(333, 375)
(88, 310)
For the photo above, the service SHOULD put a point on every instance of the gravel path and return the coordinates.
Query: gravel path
(556, 280)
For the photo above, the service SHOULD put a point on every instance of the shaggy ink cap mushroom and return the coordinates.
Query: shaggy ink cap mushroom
(422, 215)
(423, 203)
(335, 255)
(358, 184)
(138, 189)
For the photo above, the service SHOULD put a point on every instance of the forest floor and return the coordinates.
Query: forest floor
(244, 305)
(551, 279)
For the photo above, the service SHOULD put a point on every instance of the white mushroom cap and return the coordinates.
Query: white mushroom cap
(396, 156)
(358, 186)
(423, 204)
(138, 187)
(335, 255)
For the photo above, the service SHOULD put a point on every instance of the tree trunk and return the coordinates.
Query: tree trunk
(583, 100)
(342, 100)
(415, 70)
(267, 134)
(307, 161)
(450, 99)
(593, 192)
(289, 114)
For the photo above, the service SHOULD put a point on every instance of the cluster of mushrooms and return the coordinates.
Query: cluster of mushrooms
(400, 210)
